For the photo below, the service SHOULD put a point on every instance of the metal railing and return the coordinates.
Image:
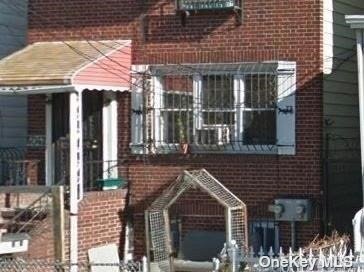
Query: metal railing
(7, 156)
(25, 217)
(97, 170)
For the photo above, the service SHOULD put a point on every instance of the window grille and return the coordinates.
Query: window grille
(221, 108)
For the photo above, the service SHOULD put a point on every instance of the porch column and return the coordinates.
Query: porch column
(49, 159)
(76, 172)
(110, 135)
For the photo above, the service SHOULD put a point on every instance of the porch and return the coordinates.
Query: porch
(79, 82)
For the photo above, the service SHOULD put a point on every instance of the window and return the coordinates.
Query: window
(260, 109)
(223, 108)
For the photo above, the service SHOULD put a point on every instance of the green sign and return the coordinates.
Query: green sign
(206, 4)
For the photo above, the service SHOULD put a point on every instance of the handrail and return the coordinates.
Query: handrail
(13, 220)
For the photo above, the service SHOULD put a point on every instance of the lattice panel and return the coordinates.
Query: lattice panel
(158, 236)
(177, 188)
(214, 187)
(199, 179)
(239, 227)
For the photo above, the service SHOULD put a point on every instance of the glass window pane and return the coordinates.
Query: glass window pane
(217, 118)
(217, 92)
(178, 126)
(260, 127)
(260, 91)
(218, 99)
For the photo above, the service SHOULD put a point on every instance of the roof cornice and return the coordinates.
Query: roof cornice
(355, 21)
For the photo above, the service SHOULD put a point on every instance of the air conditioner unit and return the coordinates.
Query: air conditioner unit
(214, 136)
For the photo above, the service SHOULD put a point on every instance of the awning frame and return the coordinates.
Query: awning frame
(32, 90)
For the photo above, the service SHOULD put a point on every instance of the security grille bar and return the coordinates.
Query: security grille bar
(215, 110)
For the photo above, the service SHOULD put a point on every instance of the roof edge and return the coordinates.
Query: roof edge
(355, 21)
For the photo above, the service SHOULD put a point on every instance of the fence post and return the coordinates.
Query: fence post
(58, 222)
(215, 264)
(145, 264)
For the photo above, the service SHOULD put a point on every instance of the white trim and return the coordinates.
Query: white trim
(239, 97)
(76, 172)
(355, 21)
(49, 155)
(360, 56)
(110, 135)
(197, 104)
(29, 90)
(285, 129)
(328, 36)
(158, 126)
(102, 88)
(137, 115)
(227, 68)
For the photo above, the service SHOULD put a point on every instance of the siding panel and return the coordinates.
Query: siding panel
(13, 110)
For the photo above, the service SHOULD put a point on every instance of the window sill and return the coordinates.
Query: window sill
(217, 149)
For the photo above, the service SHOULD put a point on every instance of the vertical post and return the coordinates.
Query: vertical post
(147, 237)
(76, 172)
(49, 160)
(359, 42)
(228, 227)
(109, 135)
(58, 222)
(168, 239)
(293, 235)
(145, 264)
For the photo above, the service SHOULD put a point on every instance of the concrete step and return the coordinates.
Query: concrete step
(14, 243)
(9, 213)
(15, 226)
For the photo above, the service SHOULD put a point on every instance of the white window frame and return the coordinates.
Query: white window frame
(285, 122)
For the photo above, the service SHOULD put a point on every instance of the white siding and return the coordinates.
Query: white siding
(13, 110)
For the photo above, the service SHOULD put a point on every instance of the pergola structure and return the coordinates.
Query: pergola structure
(158, 222)
(71, 68)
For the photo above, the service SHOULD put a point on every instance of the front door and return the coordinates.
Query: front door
(92, 137)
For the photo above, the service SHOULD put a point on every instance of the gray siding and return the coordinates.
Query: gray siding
(13, 110)
(341, 113)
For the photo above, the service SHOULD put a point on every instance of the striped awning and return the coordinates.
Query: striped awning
(55, 65)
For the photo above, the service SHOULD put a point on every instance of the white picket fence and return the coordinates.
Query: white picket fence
(332, 259)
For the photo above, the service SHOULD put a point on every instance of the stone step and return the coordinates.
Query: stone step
(11, 243)
(9, 213)
(15, 226)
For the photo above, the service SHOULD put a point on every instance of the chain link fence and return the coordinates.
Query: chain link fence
(23, 265)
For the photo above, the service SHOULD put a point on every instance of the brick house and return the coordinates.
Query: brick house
(237, 92)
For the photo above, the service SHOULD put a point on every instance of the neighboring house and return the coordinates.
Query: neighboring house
(152, 92)
(342, 172)
(13, 110)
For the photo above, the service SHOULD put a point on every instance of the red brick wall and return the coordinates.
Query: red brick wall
(100, 222)
(271, 30)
